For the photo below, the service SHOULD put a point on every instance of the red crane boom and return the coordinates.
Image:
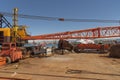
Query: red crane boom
(100, 32)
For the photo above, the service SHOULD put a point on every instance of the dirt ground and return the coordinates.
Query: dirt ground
(83, 66)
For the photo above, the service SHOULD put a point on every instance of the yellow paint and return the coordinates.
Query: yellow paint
(15, 32)
(22, 31)
(6, 31)
(15, 28)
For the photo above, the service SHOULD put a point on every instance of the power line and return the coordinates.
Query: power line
(59, 19)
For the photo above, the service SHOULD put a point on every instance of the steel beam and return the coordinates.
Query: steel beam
(99, 32)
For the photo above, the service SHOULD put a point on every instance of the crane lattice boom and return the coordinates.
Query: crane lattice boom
(100, 32)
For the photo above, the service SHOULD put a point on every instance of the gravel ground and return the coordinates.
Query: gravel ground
(81, 66)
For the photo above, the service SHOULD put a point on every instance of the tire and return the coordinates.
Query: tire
(8, 60)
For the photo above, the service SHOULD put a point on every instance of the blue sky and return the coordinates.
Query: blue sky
(76, 9)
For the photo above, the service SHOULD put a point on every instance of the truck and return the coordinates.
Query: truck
(10, 52)
(32, 50)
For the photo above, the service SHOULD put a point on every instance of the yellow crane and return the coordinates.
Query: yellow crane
(12, 33)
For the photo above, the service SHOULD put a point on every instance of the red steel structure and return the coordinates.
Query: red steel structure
(99, 32)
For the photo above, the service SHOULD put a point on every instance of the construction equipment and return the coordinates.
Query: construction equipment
(80, 47)
(91, 47)
(115, 51)
(100, 32)
(17, 35)
(9, 33)
(64, 45)
(10, 38)
(11, 52)
(31, 50)
(13, 48)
